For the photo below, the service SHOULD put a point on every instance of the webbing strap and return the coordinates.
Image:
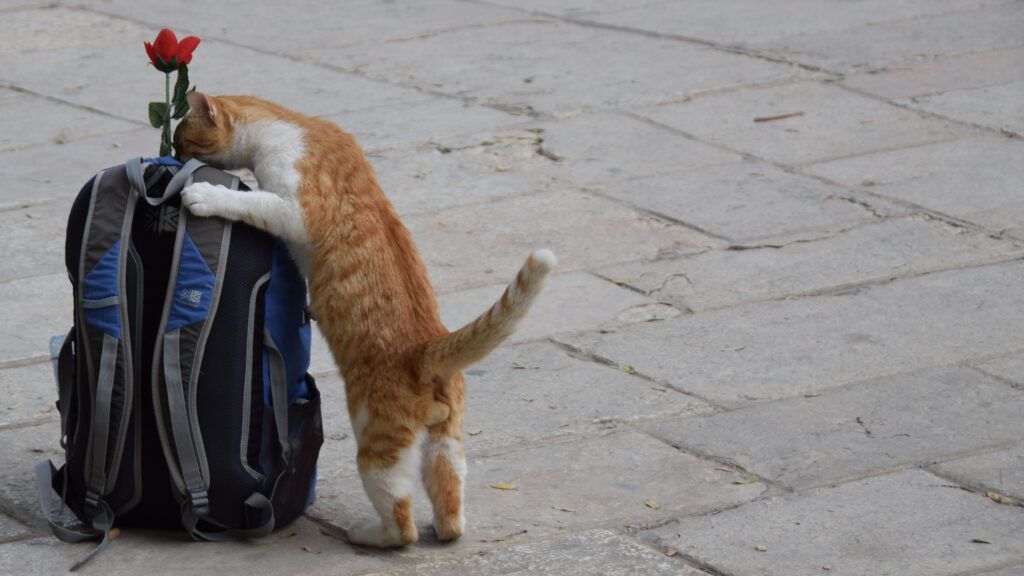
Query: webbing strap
(134, 168)
(65, 373)
(184, 445)
(278, 394)
(102, 519)
(101, 420)
(256, 504)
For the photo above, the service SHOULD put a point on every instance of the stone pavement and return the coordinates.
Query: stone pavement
(785, 337)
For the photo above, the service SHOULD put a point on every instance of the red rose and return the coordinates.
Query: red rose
(166, 53)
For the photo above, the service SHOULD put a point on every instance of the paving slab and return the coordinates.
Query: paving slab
(113, 75)
(33, 238)
(301, 544)
(828, 122)
(1001, 471)
(925, 77)
(455, 171)
(52, 28)
(27, 394)
(570, 7)
(579, 67)
(585, 553)
(604, 147)
(432, 118)
(30, 120)
(859, 429)
(807, 345)
(582, 484)
(11, 529)
(296, 28)
(20, 450)
(1009, 368)
(997, 107)
(937, 176)
(43, 173)
(35, 309)
(746, 202)
(880, 45)
(910, 523)
(750, 23)
(569, 303)
(870, 253)
(582, 229)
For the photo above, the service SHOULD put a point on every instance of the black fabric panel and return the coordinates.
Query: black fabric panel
(305, 436)
(256, 406)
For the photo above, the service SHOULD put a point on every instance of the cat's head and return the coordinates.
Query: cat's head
(207, 132)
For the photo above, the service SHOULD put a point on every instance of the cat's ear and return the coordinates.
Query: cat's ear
(202, 104)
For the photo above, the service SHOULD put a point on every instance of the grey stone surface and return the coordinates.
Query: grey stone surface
(27, 394)
(935, 76)
(859, 429)
(752, 23)
(998, 107)
(1001, 471)
(745, 202)
(1015, 569)
(975, 179)
(585, 553)
(42, 173)
(33, 238)
(598, 148)
(467, 242)
(20, 450)
(909, 523)
(29, 120)
(37, 308)
(569, 303)
(11, 529)
(780, 349)
(1009, 368)
(564, 485)
(834, 123)
(888, 43)
(51, 28)
(578, 68)
(300, 546)
(435, 118)
(869, 253)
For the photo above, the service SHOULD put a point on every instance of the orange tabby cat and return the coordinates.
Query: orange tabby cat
(370, 293)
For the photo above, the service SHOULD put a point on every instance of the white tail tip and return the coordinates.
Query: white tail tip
(545, 259)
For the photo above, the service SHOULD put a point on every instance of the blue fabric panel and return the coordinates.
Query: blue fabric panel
(99, 283)
(285, 319)
(193, 289)
(163, 161)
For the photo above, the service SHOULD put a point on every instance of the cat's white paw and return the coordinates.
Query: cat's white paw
(201, 198)
(373, 533)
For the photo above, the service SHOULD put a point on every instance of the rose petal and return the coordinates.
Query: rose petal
(186, 47)
(166, 44)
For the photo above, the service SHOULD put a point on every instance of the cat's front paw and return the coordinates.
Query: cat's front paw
(201, 199)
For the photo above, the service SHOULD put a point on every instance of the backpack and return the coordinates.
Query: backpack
(183, 390)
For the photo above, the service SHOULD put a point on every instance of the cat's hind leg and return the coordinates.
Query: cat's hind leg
(444, 476)
(388, 472)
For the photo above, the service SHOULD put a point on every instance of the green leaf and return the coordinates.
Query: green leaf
(180, 109)
(180, 86)
(165, 148)
(157, 114)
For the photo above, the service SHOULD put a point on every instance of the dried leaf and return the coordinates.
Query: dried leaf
(671, 552)
(651, 503)
(561, 509)
(504, 486)
(826, 567)
(503, 538)
(307, 548)
(474, 432)
(627, 369)
(1003, 499)
(115, 533)
(33, 216)
(777, 117)
(761, 548)
(750, 479)
(288, 535)
(979, 541)
(528, 398)
(442, 223)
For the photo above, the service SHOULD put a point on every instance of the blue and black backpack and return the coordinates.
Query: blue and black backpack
(183, 389)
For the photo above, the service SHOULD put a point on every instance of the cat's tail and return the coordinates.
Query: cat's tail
(469, 344)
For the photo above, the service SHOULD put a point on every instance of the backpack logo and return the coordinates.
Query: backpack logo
(163, 218)
(193, 298)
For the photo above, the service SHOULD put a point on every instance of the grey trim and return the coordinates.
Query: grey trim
(137, 376)
(247, 394)
(197, 360)
(101, 303)
(278, 394)
(183, 434)
(97, 481)
(133, 168)
(177, 182)
(80, 320)
(161, 426)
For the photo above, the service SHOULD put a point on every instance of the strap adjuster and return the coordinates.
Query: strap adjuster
(200, 501)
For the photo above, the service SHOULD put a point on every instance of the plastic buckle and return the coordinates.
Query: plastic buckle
(92, 500)
(200, 502)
